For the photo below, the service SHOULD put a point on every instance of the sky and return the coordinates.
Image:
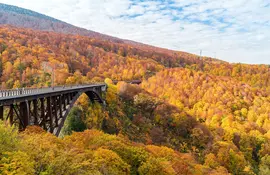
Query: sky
(231, 30)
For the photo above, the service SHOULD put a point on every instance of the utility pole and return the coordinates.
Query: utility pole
(200, 54)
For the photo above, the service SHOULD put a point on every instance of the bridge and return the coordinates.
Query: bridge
(130, 82)
(45, 107)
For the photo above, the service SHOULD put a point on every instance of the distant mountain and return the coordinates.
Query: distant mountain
(20, 17)
(18, 10)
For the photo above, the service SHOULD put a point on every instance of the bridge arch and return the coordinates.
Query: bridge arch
(95, 96)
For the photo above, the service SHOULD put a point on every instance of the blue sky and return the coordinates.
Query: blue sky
(231, 30)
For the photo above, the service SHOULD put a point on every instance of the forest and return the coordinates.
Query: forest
(190, 115)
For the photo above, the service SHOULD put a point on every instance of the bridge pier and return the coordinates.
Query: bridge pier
(35, 112)
(60, 106)
(24, 113)
(42, 114)
(11, 114)
(49, 114)
(64, 101)
(54, 104)
(1, 112)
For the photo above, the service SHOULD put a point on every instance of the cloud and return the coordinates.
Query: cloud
(232, 30)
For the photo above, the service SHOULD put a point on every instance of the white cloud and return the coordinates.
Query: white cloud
(233, 30)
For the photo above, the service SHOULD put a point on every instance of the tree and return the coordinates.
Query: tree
(265, 165)
(74, 122)
(156, 166)
(8, 138)
(17, 84)
(109, 162)
(16, 163)
(211, 161)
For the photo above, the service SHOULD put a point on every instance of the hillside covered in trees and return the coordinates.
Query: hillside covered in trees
(189, 115)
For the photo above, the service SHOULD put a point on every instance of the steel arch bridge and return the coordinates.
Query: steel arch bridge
(45, 107)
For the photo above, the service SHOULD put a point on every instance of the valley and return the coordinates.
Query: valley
(185, 115)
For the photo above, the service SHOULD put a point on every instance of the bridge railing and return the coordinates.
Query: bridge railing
(25, 91)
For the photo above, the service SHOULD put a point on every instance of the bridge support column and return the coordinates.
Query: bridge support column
(35, 112)
(68, 98)
(49, 114)
(61, 106)
(71, 95)
(24, 113)
(11, 114)
(42, 114)
(99, 91)
(1, 112)
(54, 99)
(64, 102)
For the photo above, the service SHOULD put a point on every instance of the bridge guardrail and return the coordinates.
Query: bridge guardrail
(25, 91)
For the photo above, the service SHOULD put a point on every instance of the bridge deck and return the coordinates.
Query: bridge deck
(8, 97)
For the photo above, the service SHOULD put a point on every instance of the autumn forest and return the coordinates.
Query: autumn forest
(190, 115)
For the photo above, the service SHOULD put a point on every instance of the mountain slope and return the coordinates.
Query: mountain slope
(18, 10)
(212, 111)
(98, 59)
(20, 17)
